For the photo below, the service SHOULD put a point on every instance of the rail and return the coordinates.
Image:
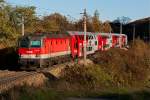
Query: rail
(9, 81)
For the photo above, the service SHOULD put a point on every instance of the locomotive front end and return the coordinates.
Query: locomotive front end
(30, 50)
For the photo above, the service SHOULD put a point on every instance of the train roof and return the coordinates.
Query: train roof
(79, 33)
(108, 34)
(67, 34)
(116, 34)
(48, 35)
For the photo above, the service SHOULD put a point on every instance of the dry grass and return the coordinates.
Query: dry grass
(34, 80)
(126, 67)
(115, 67)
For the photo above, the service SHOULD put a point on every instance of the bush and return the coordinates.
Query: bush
(127, 68)
(87, 76)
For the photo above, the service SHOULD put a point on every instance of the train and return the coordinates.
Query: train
(45, 49)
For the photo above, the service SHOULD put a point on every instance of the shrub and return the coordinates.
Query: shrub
(87, 76)
(127, 68)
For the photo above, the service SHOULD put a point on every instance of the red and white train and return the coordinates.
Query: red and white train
(46, 49)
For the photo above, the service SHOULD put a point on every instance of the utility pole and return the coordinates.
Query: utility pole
(133, 33)
(120, 43)
(120, 28)
(85, 29)
(22, 24)
(149, 29)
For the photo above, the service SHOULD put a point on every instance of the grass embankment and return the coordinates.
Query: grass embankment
(116, 74)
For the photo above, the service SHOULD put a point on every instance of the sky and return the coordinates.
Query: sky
(108, 9)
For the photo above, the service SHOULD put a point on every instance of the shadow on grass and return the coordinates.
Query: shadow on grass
(8, 59)
(139, 95)
(30, 93)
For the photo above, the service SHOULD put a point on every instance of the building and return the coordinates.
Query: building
(135, 29)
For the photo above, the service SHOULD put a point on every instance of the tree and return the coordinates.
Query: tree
(10, 20)
(120, 22)
(96, 22)
(6, 29)
(123, 20)
(29, 17)
(80, 24)
(106, 27)
(55, 23)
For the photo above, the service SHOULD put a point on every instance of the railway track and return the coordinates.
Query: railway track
(6, 73)
(11, 79)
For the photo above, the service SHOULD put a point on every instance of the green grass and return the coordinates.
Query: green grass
(40, 94)
(47, 93)
(30, 93)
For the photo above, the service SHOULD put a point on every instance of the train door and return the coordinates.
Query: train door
(80, 49)
(92, 44)
(95, 44)
(110, 41)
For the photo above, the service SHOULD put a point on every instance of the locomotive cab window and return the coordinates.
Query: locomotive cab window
(35, 43)
(24, 43)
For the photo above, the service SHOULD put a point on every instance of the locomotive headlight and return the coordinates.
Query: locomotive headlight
(20, 56)
(37, 55)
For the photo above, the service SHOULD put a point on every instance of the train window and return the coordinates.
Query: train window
(95, 42)
(24, 43)
(91, 37)
(110, 41)
(35, 43)
(89, 48)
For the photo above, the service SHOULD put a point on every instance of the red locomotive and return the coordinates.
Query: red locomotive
(48, 49)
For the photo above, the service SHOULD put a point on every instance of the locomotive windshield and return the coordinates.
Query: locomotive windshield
(35, 43)
(30, 42)
(24, 43)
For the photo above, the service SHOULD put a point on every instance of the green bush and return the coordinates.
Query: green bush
(87, 76)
